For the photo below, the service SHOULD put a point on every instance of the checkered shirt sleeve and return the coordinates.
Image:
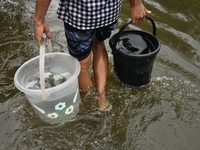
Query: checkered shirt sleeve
(89, 14)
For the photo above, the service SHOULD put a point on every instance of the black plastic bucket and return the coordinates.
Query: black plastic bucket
(134, 53)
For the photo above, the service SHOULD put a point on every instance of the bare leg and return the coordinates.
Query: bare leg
(85, 82)
(100, 67)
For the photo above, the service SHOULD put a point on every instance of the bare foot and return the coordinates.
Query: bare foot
(104, 104)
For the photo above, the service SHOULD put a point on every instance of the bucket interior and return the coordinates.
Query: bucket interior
(134, 43)
(61, 70)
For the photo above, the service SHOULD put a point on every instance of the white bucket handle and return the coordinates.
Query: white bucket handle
(44, 93)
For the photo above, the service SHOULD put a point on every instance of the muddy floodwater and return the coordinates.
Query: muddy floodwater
(165, 115)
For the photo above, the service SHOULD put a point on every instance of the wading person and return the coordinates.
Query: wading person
(87, 24)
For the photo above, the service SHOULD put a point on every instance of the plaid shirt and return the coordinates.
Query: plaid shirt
(89, 14)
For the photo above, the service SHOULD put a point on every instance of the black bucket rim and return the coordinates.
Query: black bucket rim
(112, 43)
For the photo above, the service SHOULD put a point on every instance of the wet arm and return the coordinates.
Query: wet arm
(40, 26)
(41, 10)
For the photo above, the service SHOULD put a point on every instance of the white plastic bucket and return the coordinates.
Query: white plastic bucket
(62, 102)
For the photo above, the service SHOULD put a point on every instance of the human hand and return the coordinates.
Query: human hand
(138, 13)
(39, 29)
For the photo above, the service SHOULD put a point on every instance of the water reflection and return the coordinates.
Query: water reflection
(164, 115)
(178, 24)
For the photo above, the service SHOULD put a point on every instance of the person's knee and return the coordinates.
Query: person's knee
(98, 45)
(85, 63)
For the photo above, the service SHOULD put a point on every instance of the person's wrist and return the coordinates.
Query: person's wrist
(136, 2)
(38, 21)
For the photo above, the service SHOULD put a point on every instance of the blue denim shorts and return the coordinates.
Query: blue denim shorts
(80, 41)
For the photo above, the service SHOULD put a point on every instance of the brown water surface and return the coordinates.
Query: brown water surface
(164, 115)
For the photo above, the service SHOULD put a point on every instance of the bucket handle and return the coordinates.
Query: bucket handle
(126, 24)
(44, 94)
